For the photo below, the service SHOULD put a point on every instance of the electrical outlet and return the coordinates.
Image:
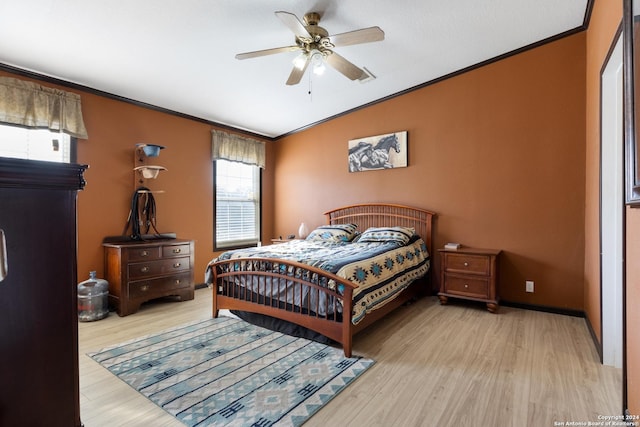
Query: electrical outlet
(529, 285)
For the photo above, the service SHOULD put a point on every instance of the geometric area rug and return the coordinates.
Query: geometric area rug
(227, 372)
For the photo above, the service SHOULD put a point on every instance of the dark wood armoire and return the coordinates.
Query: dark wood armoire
(38, 294)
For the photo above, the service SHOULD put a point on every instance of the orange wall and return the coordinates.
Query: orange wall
(497, 152)
(186, 206)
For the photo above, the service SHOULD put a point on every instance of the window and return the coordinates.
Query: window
(36, 144)
(237, 221)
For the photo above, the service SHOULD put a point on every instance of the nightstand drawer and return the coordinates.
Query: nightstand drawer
(158, 287)
(466, 263)
(466, 286)
(142, 270)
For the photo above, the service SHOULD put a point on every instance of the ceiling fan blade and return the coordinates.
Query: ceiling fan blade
(365, 35)
(345, 67)
(265, 52)
(297, 73)
(294, 24)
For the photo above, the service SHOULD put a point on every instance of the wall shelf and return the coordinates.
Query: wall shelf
(143, 170)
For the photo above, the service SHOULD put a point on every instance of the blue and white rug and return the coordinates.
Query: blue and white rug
(225, 371)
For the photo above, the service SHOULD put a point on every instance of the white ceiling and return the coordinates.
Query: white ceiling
(179, 54)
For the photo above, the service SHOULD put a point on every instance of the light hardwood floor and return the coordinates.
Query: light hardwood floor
(454, 365)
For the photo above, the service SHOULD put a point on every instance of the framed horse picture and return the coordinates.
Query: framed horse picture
(386, 151)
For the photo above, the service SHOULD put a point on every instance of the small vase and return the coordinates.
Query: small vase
(303, 231)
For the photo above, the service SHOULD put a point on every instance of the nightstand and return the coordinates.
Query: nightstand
(470, 273)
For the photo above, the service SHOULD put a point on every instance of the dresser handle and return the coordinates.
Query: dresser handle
(466, 264)
(178, 281)
(144, 269)
(177, 251)
(144, 288)
(466, 286)
(176, 265)
(144, 253)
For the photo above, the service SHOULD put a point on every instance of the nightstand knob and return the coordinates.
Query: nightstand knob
(144, 253)
(466, 264)
(144, 288)
(178, 281)
(177, 251)
(466, 286)
(176, 265)
(144, 269)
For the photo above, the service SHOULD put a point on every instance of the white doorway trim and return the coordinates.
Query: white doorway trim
(612, 208)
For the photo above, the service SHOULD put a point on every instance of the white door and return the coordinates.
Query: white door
(612, 208)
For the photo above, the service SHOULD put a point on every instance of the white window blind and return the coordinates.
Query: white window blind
(237, 204)
(34, 144)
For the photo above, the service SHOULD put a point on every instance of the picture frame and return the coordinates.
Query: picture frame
(386, 151)
(631, 78)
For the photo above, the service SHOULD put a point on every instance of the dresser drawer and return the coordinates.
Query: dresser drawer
(475, 264)
(143, 253)
(141, 270)
(467, 286)
(175, 250)
(151, 288)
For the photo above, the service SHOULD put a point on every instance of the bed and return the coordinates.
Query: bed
(332, 294)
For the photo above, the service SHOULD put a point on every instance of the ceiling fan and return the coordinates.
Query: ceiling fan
(316, 47)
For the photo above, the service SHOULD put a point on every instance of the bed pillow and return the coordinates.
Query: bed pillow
(334, 233)
(401, 235)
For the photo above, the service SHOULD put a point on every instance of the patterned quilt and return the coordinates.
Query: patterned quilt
(381, 270)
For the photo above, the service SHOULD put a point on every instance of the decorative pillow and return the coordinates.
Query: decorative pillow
(401, 235)
(334, 233)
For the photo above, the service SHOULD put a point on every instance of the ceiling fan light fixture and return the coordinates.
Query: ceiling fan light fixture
(300, 60)
(317, 59)
(318, 69)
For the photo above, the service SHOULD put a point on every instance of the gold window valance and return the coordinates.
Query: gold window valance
(237, 148)
(31, 105)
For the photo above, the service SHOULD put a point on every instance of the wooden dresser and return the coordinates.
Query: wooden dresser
(140, 271)
(470, 273)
